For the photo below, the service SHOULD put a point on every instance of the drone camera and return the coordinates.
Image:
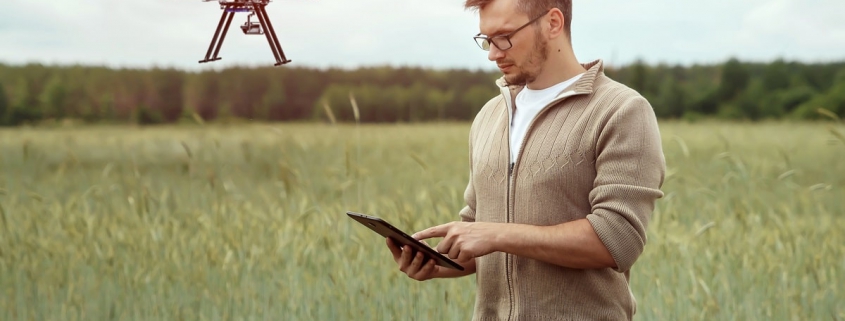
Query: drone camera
(252, 28)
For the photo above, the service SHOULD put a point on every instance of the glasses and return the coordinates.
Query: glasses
(503, 42)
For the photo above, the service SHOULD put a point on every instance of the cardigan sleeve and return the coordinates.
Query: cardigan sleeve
(630, 170)
(467, 214)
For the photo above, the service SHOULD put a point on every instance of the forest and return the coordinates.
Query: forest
(734, 90)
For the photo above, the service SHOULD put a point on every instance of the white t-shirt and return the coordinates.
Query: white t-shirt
(528, 103)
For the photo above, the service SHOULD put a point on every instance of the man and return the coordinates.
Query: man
(565, 167)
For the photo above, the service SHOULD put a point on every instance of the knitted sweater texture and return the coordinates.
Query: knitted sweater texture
(594, 152)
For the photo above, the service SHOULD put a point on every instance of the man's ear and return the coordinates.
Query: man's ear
(556, 24)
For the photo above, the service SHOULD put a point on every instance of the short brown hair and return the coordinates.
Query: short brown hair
(534, 8)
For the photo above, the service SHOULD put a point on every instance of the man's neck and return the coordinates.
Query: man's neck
(560, 66)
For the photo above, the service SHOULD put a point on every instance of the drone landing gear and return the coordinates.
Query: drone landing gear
(271, 35)
(263, 26)
(227, 17)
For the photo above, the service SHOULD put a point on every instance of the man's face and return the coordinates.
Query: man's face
(524, 60)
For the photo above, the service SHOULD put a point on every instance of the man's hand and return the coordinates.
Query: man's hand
(463, 241)
(412, 263)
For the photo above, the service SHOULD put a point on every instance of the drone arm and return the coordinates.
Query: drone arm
(271, 36)
(227, 17)
(225, 31)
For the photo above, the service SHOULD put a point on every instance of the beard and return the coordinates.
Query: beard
(528, 70)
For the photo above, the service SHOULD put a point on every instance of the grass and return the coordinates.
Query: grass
(247, 223)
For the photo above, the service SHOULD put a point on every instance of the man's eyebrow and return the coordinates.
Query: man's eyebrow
(499, 31)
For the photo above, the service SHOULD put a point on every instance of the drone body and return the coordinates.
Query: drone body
(260, 27)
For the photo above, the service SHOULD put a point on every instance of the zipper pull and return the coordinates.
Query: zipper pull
(510, 170)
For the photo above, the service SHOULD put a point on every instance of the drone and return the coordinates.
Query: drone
(260, 27)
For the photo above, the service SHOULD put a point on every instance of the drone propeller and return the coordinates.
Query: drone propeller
(262, 27)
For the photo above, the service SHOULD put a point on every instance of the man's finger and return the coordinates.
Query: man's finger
(405, 259)
(463, 256)
(454, 252)
(445, 246)
(394, 249)
(414, 266)
(429, 267)
(426, 271)
(435, 231)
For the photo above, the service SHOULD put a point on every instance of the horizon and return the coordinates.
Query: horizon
(396, 66)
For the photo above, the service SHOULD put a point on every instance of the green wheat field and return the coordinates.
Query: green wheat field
(247, 222)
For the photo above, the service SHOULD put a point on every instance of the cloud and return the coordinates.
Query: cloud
(812, 30)
(655, 30)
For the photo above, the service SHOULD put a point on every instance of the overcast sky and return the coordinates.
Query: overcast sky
(430, 33)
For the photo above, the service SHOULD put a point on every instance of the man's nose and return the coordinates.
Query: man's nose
(495, 54)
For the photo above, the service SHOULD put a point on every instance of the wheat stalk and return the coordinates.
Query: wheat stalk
(329, 112)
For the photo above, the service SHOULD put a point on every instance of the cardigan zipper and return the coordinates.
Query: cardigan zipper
(508, 258)
(512, 165)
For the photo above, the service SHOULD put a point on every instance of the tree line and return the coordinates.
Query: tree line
(35, 93)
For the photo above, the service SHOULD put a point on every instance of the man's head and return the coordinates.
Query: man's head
(523, 34)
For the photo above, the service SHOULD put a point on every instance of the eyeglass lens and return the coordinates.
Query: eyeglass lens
(499, 42)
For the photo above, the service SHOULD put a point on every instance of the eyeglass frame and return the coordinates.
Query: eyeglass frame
(507, 36)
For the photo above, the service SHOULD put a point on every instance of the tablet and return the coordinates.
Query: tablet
(387, 230)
